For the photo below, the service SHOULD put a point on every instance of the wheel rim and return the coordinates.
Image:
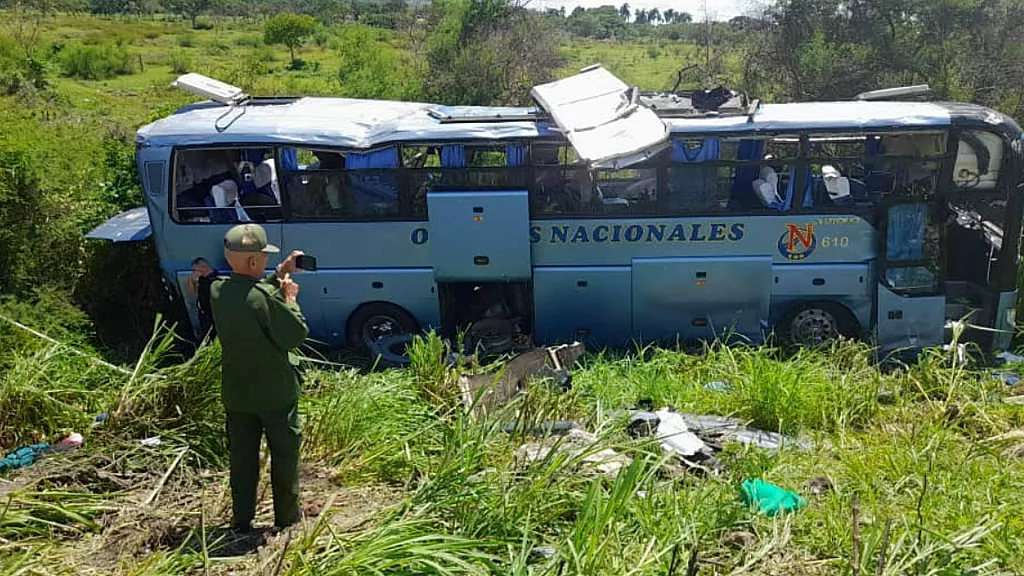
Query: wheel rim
(378, 327)
(814, 326)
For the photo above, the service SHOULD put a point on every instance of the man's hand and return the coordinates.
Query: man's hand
(287, 266)
(192, 283)
(289, 288)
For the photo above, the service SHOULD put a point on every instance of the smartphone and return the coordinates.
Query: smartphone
(306, 262)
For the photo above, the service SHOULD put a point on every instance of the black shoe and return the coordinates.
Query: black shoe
(242, 528)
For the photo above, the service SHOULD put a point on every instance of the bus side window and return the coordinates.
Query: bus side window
(223, 185)
(626, 191)
(350, 185)
(561, 186)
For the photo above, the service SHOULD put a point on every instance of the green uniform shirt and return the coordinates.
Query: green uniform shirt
(258, 331)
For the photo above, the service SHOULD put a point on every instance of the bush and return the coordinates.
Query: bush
(96, 62)
(187, 40)
(203, 24)
(180, 63)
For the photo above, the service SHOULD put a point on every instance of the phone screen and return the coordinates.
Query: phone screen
(306, 262)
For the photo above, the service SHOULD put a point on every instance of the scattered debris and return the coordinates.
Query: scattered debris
(28, 455)
(1008, 378)
(739, 539)
(1015, 400)
(819, 485)
(23, 457)
(99, 419)
(496, 390)
(718, 386)
(72, 442)
(546, 428)
(716, 430)
(769, 498)
(151, 442)
(1010, 358)
(543, 551)
(643, 424)
(676, 437)
(575, 442)
(1015, 439)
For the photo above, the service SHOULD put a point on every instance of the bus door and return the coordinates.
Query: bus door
(477, 234)
(911, 305)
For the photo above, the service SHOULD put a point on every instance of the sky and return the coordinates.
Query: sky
(717, 9)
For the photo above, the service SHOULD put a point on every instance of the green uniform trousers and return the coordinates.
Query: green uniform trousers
(284, 439)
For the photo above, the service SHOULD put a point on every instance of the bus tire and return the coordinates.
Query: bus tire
(392, 351)
(814, 324)
(374, 320)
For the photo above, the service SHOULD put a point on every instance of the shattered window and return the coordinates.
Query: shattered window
(224, 185)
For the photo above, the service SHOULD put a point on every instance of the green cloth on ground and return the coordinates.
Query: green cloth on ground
(769, 498)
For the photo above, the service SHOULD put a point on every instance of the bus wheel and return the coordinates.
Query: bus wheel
(373, 321)
(815, 324)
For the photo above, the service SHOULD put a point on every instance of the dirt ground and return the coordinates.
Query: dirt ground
(187, 506)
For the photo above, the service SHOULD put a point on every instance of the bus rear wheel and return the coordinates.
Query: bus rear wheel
(816, 324)
(376, 320)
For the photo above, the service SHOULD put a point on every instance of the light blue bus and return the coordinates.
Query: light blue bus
(603, 215)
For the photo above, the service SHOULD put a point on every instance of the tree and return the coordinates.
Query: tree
(191, 9)
(682, 18)
(653, 16)
(640, 16)
(489, 52)
(624, 12)
(669, 16)
(290, 30)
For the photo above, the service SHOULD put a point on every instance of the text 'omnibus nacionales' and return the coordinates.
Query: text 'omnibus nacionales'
(602, 215)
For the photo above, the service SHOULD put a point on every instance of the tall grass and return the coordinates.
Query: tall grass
(920, 462)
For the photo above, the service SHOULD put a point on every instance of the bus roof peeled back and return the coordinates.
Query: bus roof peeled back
(603, 118)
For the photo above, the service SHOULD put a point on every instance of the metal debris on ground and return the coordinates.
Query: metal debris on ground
(1008, 378)
(695, 439)
(575, 442)
(545, 428)
(491, 391)
(1010, 358)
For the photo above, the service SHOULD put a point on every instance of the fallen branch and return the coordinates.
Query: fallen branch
(163, 479)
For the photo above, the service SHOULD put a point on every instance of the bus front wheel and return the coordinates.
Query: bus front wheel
(816, 324)
(376, 320)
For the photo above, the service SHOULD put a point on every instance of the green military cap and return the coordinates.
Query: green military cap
(249, 238)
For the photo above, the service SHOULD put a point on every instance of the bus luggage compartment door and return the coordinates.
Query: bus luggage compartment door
(700, 298)
(480, 236)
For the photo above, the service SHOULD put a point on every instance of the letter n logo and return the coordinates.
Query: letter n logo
(797, 243)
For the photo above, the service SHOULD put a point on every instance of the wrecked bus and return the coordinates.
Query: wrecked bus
(602, 215)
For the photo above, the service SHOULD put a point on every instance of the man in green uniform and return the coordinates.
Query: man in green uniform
(259, 324)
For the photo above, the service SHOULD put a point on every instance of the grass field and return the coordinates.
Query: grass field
(399, 478)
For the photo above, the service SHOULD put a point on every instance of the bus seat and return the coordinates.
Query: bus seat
(265, 179)
(692, 187)
(742, 195)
